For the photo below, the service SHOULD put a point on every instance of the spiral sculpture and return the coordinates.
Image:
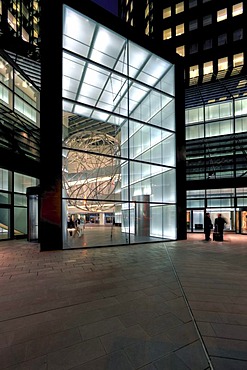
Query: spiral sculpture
(91, 170)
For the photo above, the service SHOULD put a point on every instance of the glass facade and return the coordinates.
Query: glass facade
(119, 139)
(216, 145)
(13, 203)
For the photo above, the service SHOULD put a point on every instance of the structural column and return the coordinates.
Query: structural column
(51, 126)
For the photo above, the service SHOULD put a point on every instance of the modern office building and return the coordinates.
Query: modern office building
(211, 36)
(20, 27)
(109, 149)
(19, 143)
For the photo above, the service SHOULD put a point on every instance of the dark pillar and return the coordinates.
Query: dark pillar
(51, 126)
(142, 215)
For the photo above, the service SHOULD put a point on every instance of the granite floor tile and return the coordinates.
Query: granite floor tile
(228, 364)
(183, 335)
(149, 350)
(230, 331)
(169, 362)
(160, 324)
(114, 361)
(193, 356)
(100, 328)
(228, 348)
(76, 355)
(120, 339)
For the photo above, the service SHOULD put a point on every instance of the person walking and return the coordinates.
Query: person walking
(207, 226)
(219, 224)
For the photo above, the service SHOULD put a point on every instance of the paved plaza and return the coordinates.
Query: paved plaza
(162, 306)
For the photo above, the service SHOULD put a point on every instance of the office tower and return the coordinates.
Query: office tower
(20, 27)
(210, 35)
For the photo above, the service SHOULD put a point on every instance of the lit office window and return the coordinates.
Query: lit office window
(193, 25)
(180, 51)
(237, 9)
(11, 20)
(167, 12)
(238, 34)
(1, 10)
(221, 15)
(238, 59)
(146, 11)
(194, 71)
(131, 6)
(192, 3)
(193, 48)
(167, 34)
(222, 64)
(179, 8)
(127, 16)
(207, 68)
(207, 20)
(222, 39)
(179, 29)
(25, 35)
(147, 29)
(207, 44)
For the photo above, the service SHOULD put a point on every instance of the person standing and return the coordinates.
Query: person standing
(207, 226)
(219, 225)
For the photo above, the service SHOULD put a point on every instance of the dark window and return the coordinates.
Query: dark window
(192, 3)
(207, 20)
(193, 25)
(238, 34)
(193, 48)
(222, 39)
(207, 44)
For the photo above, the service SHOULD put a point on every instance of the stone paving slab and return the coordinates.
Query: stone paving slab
(174, 305)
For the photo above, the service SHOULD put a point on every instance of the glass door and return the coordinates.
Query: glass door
(198, 220)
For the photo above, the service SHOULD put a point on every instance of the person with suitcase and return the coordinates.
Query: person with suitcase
(207, 226)
(219, 224)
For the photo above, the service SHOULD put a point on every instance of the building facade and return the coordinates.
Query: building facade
(211, 37)
(109, 126)
(20, 27)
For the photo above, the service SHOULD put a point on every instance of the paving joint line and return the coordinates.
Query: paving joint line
(190, 310)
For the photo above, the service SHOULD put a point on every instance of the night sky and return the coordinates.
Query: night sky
(110, 5)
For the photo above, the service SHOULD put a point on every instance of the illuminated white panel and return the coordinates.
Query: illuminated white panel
(78, 27)
(101, 116)
(83, 110)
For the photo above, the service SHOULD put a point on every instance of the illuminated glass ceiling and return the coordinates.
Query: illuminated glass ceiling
(106, 77)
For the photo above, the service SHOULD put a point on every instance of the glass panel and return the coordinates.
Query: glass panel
(22, 182)
(221, 15)
(20, 200)
(179, 8)
(237, 9)
(199, 203)
(167, 12)
(219, 128)
(194, 132)
(5, 179)
(221, 202)
(5, 198)
(198, 221)
(4, 223)
(20, 221)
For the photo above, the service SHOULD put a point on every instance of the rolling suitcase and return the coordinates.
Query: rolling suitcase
(216, 236)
